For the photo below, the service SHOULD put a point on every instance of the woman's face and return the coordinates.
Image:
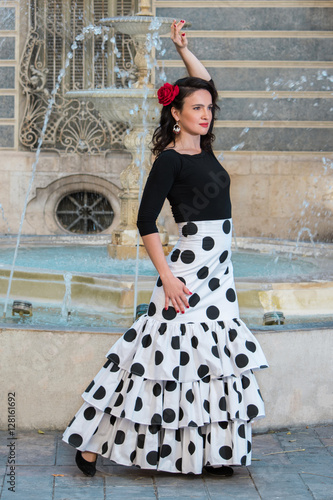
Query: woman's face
(196, 115)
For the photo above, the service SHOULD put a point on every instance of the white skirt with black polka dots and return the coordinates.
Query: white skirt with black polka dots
(178, 390)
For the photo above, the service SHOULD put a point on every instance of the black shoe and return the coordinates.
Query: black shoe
(88, 468)
(224, 470)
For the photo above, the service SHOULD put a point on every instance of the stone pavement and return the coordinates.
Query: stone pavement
(44, 470)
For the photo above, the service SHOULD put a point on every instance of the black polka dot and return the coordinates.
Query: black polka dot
(194, 299)
(100, 393)
(226, 271)
(214, 335)
(119, 400)
(206, 380)
(241, 360)
(187, 256)
(132, 456)
(181, 413)
(170, 386)
(250, 346)
(191, 448)
(206, 405)
(175, 372)
(245, 382)
(223, 404)
(184, 358)
(223, 425)
(153, 429)
(227, 352)
(214, 283)
(224, 256)
(75, 440)
(241, 431)
(232, 334)
(138, 404)
(156, 419)
(151, 309)
(192, 424)
(114, 368)
(179, 464)
(226, 226)
(203, 273)
(208, 243)
(231, 295)
(249, 446)
(130, 385)
(70, 423)
(225, 452)
(122, 415)
(189, 396)
(119, 386)
(158, 358)
(159, 282)
(157, 389)
(137, 369)
(226, 390)
(252, 411)
(189, 229)
(107, 363)
(215, 351)
(105, 447)
(203, 371)
(209, 437)
(175, 342)
(146, 341)
(113, 419)
(212, 312)
(92, 383)
(243, 460)
(221, 324)
(95, 430)
(89, 413)
(162, 328)
(152, 457)
(181, 279)
(194, 342)
(175, 255)
(170, 313)
(130, 335)
(183, 329)
(165, 450)
(169, 415)
(236, 321)
(205, 326)
(260, 394)
(120, 437)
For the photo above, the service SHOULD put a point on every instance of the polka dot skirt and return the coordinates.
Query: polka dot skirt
(178, 391)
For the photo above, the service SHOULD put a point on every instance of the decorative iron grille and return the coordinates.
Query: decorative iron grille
(84, 212)
(74, 125)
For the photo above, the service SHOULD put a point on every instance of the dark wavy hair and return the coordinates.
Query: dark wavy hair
(163, 135)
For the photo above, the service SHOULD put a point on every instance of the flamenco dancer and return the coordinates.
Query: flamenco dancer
(178, 392)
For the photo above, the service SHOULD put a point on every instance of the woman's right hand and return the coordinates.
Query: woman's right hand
(175, 291)
(179, 39)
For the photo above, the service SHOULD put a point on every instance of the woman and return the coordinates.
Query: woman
(178, 392)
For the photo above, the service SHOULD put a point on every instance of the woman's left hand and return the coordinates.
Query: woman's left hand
(178, 38)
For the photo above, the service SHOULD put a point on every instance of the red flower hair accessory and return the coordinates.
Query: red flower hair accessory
(167, 93)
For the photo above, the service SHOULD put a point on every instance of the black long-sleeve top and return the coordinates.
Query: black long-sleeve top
(197, 187)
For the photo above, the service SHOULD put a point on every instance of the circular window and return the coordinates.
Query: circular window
(84, 212)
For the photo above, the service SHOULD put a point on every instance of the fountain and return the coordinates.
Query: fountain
(101, 300)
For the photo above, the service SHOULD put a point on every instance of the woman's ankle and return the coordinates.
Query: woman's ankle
(89, 456)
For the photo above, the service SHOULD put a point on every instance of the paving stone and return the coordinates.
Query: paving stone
(275, 482)
(78, 487)
(320, 485)
(28, 481)
(129, 492)
(35, 449)
(239, 486)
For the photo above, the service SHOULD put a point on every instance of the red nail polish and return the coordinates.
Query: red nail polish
(183, 312)
(166, 308)
(177, 311)
(183, 34)
(182, 21)
(188, 307)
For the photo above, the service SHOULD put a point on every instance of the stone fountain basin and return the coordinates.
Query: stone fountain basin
(123, 105)
(115, 293)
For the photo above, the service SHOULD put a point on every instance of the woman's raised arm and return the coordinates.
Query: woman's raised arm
(193, 65)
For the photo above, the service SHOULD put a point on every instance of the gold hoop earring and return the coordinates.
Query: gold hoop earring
(176, 128)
